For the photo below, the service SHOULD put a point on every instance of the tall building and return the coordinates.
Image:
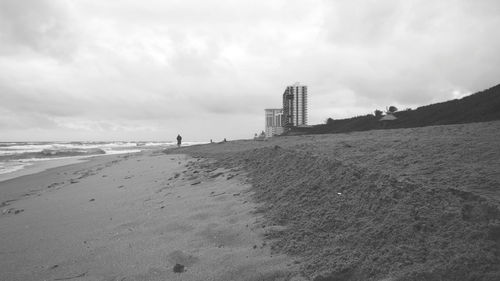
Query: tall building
(295, 106)
(274, 121)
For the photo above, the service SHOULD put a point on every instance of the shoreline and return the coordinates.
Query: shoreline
(37, 165)
(40, 166)
(42, 172)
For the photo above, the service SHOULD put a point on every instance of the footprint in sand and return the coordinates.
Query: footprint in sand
(6, 203)
(12, 211)
(216, 175)
(54, 184)
(180, 257)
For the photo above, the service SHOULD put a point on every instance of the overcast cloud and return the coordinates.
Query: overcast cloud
(147, 70)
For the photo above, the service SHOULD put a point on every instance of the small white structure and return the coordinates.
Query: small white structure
(388, 117)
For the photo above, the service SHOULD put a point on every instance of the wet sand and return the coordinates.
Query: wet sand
(134, 217)
(40, 166)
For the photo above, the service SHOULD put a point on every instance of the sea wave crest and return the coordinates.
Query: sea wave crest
(71, 152)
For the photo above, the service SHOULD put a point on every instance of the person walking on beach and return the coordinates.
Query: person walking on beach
(179, 140)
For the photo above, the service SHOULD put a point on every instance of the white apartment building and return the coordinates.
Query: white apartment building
(295, 106)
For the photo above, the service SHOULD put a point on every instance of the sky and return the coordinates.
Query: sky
(151, 69)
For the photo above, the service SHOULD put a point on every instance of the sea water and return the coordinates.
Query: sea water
(16, 156)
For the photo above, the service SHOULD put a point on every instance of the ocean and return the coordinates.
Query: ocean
(16, 156)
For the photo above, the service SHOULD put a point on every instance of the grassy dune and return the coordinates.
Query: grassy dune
(479, 107)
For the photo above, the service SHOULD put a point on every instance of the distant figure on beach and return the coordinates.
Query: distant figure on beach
(179, 140)
(225, 140)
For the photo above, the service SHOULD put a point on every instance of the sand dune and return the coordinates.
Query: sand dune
(409, 204)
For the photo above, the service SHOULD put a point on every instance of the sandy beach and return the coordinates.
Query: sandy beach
(134, 217)
(410, 204)
(249, 140)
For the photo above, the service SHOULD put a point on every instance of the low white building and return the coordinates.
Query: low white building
(274, 121)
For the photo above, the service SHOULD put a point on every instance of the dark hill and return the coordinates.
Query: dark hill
(479, 107)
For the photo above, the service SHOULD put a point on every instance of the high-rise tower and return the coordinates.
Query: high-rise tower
(295, 106)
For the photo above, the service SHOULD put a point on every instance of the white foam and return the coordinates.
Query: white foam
(111, 148)
(113, 152)
(10, 167)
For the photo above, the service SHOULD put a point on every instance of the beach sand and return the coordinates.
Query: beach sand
(386, 205)
(134, 217)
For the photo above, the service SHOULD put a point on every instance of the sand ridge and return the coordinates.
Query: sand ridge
(410, 204)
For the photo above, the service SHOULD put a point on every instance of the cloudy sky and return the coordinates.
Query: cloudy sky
(147, 70)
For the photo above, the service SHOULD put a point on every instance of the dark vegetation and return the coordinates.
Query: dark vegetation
(479, 107)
